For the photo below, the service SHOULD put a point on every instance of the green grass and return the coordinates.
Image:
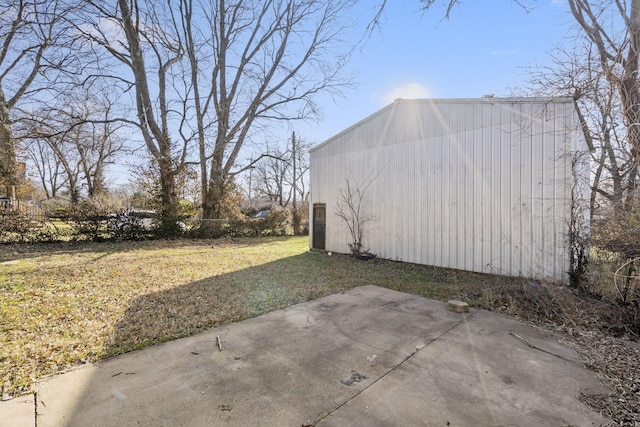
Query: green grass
(66, 304)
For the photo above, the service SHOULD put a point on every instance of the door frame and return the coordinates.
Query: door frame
(319, 228)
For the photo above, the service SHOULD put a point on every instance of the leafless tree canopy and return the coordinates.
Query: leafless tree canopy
(577, 72)
(282, 176)
(601, 74)
(613, 26)
(206, 74)
(36, 47)
(72, 142)
(269, 60)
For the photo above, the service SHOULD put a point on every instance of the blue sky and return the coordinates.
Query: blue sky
(486, 47)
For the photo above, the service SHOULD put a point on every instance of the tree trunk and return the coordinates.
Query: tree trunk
(213, 199)
(73, 190)
(168, 198)
(620, 67)
(7, 152)
(632, 189)
(630, 87)
(213, 196)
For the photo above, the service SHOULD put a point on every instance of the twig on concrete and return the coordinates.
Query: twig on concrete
(219, 341)
(537, 348)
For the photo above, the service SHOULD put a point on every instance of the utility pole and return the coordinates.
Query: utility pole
(250, 176)
(295, 181)
(296, 214)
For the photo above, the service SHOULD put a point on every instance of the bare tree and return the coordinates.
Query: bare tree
(299, 179)
(208, 73)
(35, 47)
(80, 142)
(48, 167)
(613, 26)
(282, 175)
(577, 73)
(61, 145)
(101, 144)
(299, 176)
(254, 62)
(271, 175)
(142, 37)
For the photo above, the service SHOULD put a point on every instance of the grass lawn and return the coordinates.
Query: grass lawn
(62, 305)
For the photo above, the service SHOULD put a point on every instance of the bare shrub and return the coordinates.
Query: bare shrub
(614, 274)
(562, 306)
(88, 221)
(352, 210)
(18, 227)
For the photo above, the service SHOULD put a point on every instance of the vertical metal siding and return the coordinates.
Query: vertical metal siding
(480, 185)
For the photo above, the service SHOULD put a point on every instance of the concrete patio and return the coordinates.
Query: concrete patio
(367, 357)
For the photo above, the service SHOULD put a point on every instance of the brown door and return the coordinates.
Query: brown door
(319, 225)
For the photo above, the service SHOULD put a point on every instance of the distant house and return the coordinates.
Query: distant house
(496, 185)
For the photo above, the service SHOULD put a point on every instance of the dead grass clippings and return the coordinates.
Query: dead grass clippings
(617, 363)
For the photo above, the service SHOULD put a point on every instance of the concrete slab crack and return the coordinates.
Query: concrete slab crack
(466, 316)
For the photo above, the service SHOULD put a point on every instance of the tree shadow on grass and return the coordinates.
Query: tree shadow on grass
(188, 309)
(197, 369)
(168, 314)
(185, 310)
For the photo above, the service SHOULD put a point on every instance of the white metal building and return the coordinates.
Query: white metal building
(482, 185)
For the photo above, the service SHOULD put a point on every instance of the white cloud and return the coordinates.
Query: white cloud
(408, 91)
(504, 52)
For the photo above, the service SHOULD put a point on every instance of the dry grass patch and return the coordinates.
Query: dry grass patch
(66, 304)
